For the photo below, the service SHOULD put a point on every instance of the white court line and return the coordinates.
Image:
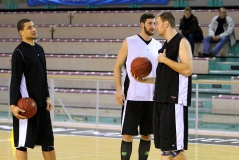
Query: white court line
(4, 140)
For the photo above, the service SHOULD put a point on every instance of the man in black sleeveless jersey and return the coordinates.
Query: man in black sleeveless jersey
(172, 90)
(136, 98)
(29, 79)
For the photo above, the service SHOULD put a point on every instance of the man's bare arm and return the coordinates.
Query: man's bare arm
(120, 61)
(183, 67)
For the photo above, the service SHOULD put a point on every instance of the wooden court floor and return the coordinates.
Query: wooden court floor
(71, 147)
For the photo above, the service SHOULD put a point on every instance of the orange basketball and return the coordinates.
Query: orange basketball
(28, 105)
(141, 67)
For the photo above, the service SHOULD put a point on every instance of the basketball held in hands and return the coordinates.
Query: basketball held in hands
(141, 67)
(28, 105)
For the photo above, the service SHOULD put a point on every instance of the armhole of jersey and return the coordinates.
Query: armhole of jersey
(21, 53)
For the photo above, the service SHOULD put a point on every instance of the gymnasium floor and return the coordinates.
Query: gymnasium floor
(98, 143)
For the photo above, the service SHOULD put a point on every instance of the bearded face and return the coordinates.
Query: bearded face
(149, 31)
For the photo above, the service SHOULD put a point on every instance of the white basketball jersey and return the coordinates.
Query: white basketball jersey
(138, 48)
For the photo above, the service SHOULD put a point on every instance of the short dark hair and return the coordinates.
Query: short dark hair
(146, 16)
(20, 24)
(222, 8)
(168, 16)
(188, 9)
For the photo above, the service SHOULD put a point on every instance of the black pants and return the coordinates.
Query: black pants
(192, 38)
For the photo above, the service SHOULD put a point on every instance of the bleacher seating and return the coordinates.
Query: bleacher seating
(200, 65)
(225, 104)
(91, 31)
(104, 17)
(221, 119)
(90, 24)
(39, 17)
(235, 87)
(68, 46)
(77, 97)
(87, 64)
(224, 110)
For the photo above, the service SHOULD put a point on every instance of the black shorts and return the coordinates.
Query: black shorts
(34, 131)
(170, 123)
(137, 114)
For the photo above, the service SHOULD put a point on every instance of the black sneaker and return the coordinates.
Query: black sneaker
(205, 55)
(200, 54)
(211, 55)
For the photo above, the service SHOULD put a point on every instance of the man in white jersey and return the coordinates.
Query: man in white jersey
(136, 98)
(172, 90)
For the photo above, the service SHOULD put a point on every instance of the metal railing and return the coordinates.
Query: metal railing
(98, 79)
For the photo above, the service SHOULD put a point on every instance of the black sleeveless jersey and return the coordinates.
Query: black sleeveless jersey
(171, 86)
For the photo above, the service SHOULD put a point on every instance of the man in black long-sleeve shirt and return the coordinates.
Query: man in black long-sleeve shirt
(189, 27)
(29, 79)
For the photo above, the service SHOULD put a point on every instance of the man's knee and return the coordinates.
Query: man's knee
(166, 153)
(47, 148)
(171, 153)
(146, 138)
(207, 39)
(128, 138)
(225, 39)
(23, 149)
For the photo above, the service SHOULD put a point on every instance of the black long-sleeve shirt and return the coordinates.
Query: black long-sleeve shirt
(29, 77)
(190, 25)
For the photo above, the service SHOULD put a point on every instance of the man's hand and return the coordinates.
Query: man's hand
(215, 38)
(49, 106)
(120, 97)
(161, 56)
(138, 79)
(15, 111)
